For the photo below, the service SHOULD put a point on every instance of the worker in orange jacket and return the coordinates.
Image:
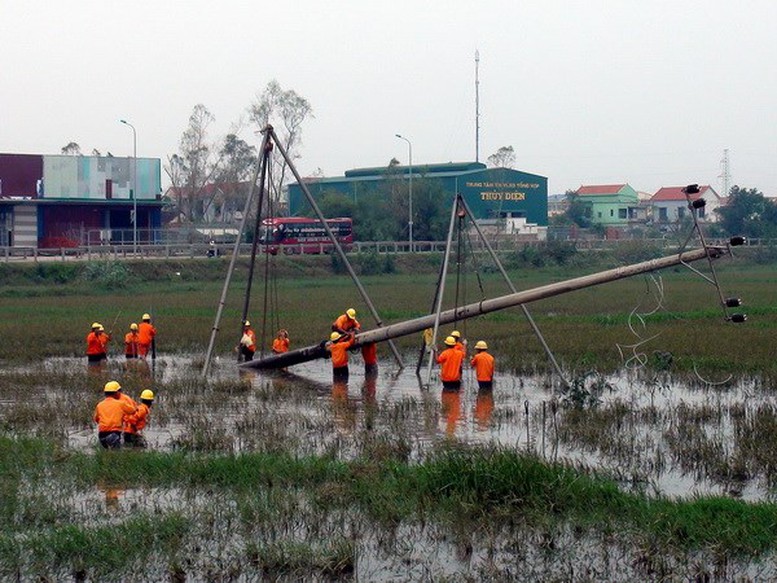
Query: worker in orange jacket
(450, 361)
(247, 344)
(460, 344)
(346, 323)
(96, 344)
(370, 356)
(109, 415)
(134, 423)
(483, 363)
(338, 346)
(131, 342)
(281, 342)
(146, 335)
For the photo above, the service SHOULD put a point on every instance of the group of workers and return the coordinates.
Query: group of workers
(120, 419)
(247, 346)
(342, 338)
(451, 360)
(138, 342)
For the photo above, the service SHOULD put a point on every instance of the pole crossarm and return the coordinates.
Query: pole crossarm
(486, 306)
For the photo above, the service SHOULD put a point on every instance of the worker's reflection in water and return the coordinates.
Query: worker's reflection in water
(484, 408)
(112, 495)
(450, 405)
(344, 409)
(369, 397)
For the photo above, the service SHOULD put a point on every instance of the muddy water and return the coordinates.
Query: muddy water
(646, 448)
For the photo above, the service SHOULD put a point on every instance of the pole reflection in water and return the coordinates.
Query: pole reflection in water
(369, 397)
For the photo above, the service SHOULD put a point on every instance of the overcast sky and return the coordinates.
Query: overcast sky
(587, 92)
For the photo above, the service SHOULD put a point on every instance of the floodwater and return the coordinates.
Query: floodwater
(636, 432)
(653, 434)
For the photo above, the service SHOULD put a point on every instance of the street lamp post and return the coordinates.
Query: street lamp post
(134, 186)
(410, 190)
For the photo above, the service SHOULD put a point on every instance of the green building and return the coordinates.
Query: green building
(612, 205)
(518, 197)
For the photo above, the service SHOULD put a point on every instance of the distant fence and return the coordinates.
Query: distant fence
(192, 250)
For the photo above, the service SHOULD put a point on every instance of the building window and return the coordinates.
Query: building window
(621, 213)
(681, 213)
(612, 213)
(662, 213)
(701, 213)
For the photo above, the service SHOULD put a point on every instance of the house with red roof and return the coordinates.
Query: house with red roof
(612, 205)
(670, 204)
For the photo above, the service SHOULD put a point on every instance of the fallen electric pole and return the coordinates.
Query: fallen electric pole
(486, 306)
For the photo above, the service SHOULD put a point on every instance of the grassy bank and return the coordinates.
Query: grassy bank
(469, 490)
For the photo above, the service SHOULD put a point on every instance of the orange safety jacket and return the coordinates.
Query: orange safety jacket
(94, 344)
(137, 421)
(131, 344)
(450, 361)
(344, 324)
(280, 345)
(370, 353)
(483, 363)
(146, 333)
(252, 335)
(339, 352)
(109, 413)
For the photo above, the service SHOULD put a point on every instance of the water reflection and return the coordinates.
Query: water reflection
(484, 409)
(450, 407)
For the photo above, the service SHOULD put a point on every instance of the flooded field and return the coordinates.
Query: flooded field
(655, 435)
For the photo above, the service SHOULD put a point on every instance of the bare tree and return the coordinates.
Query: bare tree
(504, 157)
(71, 149)
(191, 169)
(286, 111)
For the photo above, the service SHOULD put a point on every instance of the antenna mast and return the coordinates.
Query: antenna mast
(477, 107)
(725, 174)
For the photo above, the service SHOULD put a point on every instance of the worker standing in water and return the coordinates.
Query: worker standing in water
(247, 342)
(461, 344)
(109, 415)
(146, 336)
(370, 356)
(483, 363)
(131, 342)
(96, 350)
(134, 423)
(346, 323)
(281, 342)
(450, 361)
(338, 346)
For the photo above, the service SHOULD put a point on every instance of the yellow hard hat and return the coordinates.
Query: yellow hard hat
(246, 323)
(133, 326)
(146, 317)
(456, 334)
(351, 313)
(481, 345)
(334, 336)
(95, 325)
(101, 328)
(147, 395)
(112, 387)
(450, 341)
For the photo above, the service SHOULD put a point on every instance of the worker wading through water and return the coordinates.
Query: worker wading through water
(483, 363)
(450, 361)
(347, 323)
(97, 344)
(338, 346)
(370, 356)
(132, 342)
(134, 423)
(461, 344)
(146, 335)
(109, 415)
(247, 342)
(281, 342)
